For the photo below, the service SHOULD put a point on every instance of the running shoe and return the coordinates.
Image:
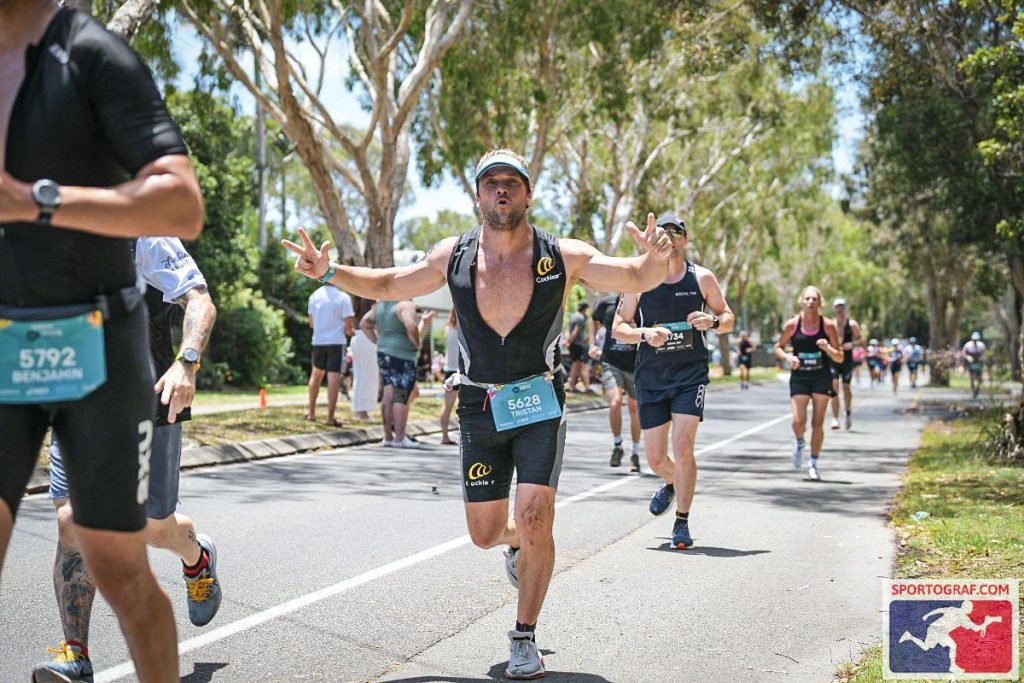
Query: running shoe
(69, 664)
(662, 499)
(835, 423)
(798, 455)
(681, 538)
(812, 473)
(511, 560)
(617, 454)
(634, 463)
(407, 442)
(849, 421)
(524, 660)
(387, 443)
(204, 590)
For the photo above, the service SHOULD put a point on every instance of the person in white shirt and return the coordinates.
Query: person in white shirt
(330, 316)
(974, 355)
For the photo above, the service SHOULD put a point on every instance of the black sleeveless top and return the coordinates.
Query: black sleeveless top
(815, 359)
(88, 113)
(615, 353)
(531, 348)
(847, 337)
(658, 369)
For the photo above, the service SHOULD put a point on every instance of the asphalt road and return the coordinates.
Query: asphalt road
(353, 565)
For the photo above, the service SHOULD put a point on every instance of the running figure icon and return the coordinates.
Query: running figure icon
(940, 631)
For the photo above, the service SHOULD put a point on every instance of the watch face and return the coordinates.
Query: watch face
(189, 355)
(47, 194)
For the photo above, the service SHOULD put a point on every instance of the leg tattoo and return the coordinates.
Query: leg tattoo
(75, 591)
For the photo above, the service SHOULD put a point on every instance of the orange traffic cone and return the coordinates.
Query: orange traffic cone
(263, 398)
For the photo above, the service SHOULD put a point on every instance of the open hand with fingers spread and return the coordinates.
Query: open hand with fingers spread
(653, 240)
(309, 261)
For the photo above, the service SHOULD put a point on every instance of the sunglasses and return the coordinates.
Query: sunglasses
(675, 231)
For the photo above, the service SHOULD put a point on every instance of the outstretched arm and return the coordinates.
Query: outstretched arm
(383, 284)
(615, 274)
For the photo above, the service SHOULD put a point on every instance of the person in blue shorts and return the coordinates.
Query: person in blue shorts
(669, 323)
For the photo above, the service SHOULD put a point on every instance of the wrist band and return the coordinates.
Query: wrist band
(329, 274)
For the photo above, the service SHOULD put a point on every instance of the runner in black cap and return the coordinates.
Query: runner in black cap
(509, 283)
(672, 369)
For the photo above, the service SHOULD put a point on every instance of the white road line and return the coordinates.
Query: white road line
(253, 620)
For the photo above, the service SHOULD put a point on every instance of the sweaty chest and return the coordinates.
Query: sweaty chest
(504, 290)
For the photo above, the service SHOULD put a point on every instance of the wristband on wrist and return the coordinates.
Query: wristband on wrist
(329, 274)
(643, 334)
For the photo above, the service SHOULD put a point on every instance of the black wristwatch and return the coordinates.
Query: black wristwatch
(188, 355)
(715, 322)
(46, 195)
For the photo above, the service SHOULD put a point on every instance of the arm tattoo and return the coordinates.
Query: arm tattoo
(200, 314)
(75, 591)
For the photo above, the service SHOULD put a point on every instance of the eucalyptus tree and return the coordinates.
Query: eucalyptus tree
(524, 75)
(393, 48)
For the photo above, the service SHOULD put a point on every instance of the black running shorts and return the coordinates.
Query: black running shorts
(489, 456)
(657, 408)
(329, 357)
(807, 383)
(842, 371)
(106, 437)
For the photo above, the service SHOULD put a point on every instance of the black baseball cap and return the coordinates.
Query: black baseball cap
(666, 219)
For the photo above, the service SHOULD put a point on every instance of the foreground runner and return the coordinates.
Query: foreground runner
(813, 336)
(173, 281)
(672, 369)
(92, 160)
(509, 282)
(617, 363)
(842, 373)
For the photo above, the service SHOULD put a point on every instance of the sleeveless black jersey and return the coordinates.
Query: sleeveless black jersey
(88, 114)
(816, 359)
(615, 353)
(531, 348)
(657, 370)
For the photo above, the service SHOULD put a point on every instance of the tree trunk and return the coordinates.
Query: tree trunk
(723, 348)
(939, 339)
(130, 17)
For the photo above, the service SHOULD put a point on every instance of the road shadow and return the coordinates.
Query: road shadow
(497, 673)
(202, 672)
(709, 551)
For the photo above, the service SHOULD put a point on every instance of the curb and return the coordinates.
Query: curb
(247, 451)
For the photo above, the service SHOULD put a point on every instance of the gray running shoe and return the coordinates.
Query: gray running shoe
(68, 665)
(798, 455)
(617, 454)
(524, 660)
(849, 421)
(204, 590)
(634, 463)
(511, 558)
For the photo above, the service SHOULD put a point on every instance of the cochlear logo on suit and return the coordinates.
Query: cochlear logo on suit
(545, 266)
(478, 469)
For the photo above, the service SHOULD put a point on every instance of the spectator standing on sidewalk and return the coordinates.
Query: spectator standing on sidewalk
(365, 375)
(330, 316)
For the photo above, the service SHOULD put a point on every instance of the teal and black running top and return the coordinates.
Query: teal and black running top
(666, 305)
(88, 114)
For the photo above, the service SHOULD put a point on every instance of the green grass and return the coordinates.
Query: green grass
(975, 527)
(755, 375)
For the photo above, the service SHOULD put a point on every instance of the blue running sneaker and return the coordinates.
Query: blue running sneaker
(524, 660)
(70, 664)
(681, 538)
(798, 455)
(662, 499)
(204, 590)
(511, 568)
